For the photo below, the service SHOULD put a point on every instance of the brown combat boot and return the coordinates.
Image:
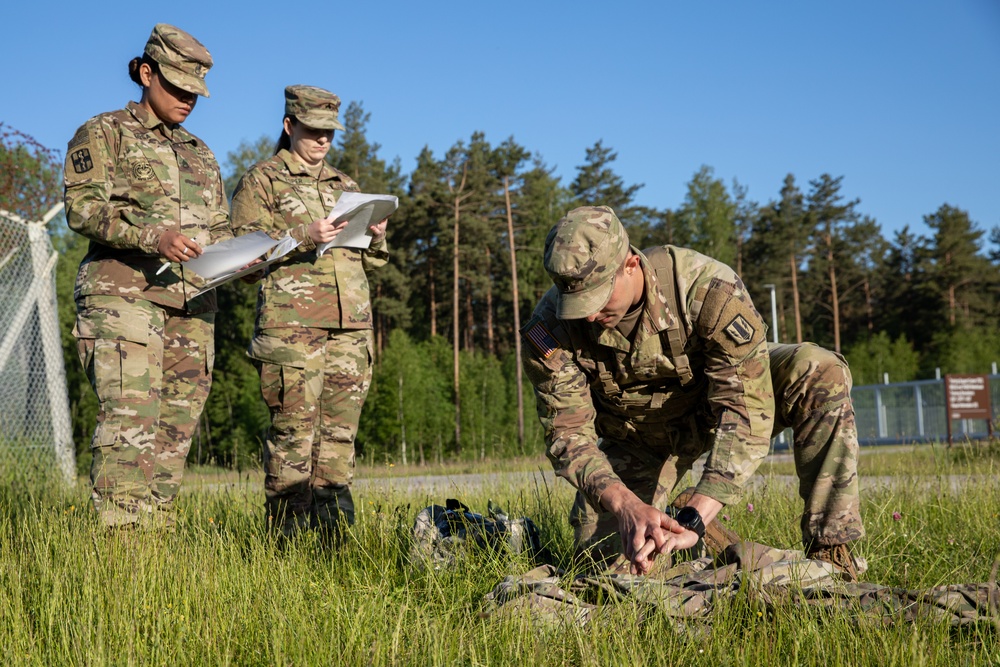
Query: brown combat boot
(838, 555)
(717, 536)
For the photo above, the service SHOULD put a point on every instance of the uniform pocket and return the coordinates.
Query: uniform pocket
(104, 322)
(140, 169)
(275, 350)
(612, 426)
(291, 373)
(120, 369)
(270, 385)
(282, 387)
(210, 354)
(114, 348)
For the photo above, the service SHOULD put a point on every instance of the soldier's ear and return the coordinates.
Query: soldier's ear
(146, 74)
(631, 263)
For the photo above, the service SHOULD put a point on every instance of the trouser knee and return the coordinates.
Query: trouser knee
(808, 378)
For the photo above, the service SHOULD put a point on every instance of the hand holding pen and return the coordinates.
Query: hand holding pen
(175, 247)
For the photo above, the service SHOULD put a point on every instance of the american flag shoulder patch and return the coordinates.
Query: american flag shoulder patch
(536, 333)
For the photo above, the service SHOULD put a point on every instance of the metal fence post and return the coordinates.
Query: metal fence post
(880, 414)
(919, 399)
(34, 406)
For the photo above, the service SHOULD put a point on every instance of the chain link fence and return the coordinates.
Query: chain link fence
(913, 412)
(35, 426)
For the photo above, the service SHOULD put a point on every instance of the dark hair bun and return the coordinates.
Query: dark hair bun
(133, 70)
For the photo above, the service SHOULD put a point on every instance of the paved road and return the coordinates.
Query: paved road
(461, 484)
(441, 486)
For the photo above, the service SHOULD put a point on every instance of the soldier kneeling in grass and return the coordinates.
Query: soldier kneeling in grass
(642, 361)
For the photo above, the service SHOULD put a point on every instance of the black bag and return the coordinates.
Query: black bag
(440, 532)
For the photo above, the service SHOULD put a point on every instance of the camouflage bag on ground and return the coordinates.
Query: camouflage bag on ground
(440, 533)
(774, 580)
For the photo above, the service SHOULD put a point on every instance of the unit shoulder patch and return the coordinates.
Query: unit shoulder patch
(740, 330)
(82, 161)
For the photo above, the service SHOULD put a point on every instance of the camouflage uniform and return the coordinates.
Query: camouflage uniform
(313, 339)
(146, 345)
(641, 412)
(769, 579)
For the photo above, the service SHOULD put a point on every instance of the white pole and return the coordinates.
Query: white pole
(55, 373)
(774, 314)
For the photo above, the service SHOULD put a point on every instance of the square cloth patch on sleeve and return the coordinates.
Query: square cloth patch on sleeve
(538, 335)
(82, 162)
(740, 330)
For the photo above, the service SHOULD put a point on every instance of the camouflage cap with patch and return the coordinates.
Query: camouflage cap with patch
(582, 254)
(313, 107)
(183, 60)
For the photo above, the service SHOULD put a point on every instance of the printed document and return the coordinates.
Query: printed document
(278, 251)
(227, 256)
(360, 211)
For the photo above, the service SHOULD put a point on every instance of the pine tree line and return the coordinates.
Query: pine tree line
(448, 305)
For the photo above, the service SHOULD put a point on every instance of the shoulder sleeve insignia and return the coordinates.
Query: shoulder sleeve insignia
(82, 162)
(538, 335)
(741, 331)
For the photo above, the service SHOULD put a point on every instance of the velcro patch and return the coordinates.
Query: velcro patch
(741, 331)
(82, 162)
(538, 335)
(81, 137)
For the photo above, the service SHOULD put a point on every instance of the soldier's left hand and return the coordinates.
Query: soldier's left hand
(378, 229)
(673, 542)
(678, 542)
(251, 278)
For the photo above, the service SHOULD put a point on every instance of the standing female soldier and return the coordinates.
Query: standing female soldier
(144, 190)
(313, 336)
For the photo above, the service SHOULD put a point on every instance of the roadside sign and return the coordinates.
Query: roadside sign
(968, 397)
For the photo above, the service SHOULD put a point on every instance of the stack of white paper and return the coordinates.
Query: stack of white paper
(229, 262)
(360, 211)
(227, 256)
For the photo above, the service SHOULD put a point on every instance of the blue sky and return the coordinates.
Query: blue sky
(900, 98)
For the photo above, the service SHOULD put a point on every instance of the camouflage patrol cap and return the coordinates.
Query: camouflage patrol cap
(313, 106)
(183, 60)
(582, 254)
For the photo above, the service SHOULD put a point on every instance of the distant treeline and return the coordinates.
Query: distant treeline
(903, 306)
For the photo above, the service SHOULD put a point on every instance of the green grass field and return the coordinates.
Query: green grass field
(220, 591)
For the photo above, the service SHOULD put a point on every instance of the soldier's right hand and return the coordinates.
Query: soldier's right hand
(176, 247)
(324, 231)
(637, 523)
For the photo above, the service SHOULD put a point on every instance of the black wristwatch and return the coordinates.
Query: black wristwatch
(690, 518)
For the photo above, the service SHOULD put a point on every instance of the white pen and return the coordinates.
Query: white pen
(166, 265)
